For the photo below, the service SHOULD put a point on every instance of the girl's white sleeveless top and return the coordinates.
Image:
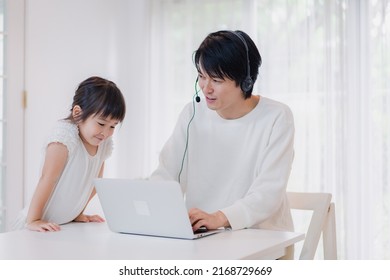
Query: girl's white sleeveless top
(71, 193)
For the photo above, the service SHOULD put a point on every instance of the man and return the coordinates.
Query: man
(232, 153)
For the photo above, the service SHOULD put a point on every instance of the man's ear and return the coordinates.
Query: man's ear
(76, 112)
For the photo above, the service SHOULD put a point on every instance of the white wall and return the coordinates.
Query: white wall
(14, 109)
(68, 41)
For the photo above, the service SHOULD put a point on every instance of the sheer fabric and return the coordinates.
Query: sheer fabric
(330, 62)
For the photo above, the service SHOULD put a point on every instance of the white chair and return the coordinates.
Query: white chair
(322, 221)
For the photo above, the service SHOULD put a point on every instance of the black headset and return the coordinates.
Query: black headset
(247, 84)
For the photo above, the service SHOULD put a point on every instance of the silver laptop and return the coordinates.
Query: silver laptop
(146, 207)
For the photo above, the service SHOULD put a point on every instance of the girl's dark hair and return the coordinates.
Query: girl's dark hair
(222, 54)
(98, 96)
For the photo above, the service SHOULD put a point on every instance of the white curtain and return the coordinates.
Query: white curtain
(330, 62)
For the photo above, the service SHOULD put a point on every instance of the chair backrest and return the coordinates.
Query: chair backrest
(322, 221)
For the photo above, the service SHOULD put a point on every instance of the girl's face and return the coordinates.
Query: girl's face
(94, 130)
(223, 96)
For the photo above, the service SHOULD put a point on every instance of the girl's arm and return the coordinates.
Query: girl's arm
(91, 218)
(55, 161)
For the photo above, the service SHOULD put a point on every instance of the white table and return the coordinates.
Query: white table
(94, 241)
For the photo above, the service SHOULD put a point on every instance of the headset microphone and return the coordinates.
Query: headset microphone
(197, 98)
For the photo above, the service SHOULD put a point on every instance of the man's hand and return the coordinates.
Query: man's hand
(200, 218)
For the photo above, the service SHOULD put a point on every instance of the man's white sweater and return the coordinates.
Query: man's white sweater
(239, 166)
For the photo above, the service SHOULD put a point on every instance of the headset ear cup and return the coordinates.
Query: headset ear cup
(247, 84)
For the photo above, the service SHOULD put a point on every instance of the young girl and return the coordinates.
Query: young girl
(75, 155)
